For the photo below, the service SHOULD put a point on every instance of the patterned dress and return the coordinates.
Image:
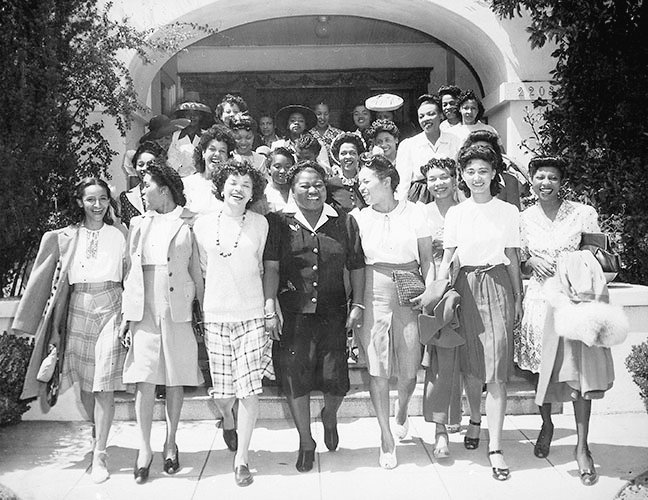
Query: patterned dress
(542, 237)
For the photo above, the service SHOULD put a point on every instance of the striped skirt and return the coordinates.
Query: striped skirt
(94, 357)
(486, 317)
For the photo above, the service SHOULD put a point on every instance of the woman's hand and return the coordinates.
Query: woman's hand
(354, 319)
(125, 335)
(422, 301)
(273, 327)
(541, 267)
(518, 308)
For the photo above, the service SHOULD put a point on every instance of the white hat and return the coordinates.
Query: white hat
(384, 102)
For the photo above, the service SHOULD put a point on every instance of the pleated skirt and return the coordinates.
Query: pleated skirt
(486, 317)
(94, 357)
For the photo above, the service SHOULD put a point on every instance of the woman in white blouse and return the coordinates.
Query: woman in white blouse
(482, 234)
(415, 152)
(394, 237)
(215, 146)
(162, 280)
(86, 260)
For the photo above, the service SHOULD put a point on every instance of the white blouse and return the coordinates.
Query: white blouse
(198, 191)
(99, 256)
(156, 241)
(542, 237)
(481, 231)
(391, 237)
(416, 151)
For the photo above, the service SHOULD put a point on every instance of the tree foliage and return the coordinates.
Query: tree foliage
(62, 78)
(598, 117)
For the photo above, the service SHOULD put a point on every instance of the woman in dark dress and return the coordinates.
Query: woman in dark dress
(342, 185)
(309, 245)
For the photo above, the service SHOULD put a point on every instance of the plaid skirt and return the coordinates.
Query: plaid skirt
(94, 357)
(239, 357)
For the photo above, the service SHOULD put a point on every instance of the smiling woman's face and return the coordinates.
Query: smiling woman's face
(429, 116)
(309, 190)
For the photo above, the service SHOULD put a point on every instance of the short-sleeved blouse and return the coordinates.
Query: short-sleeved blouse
(99, 256)
(542, 237)
(312, 260)
(392, 237)
(481, 231)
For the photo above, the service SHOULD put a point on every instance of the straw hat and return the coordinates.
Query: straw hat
(384, 102)
(183, 109)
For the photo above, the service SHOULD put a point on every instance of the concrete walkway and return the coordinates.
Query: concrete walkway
(50, 461)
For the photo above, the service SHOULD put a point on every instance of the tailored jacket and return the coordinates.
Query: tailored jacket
(47, 291)
(183, 262)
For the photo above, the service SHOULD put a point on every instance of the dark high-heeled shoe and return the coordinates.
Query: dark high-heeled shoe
(172, 465)
(231, 439)
(305, 459)
(472, 443)
(588, 476)
(499, 474)
(543, 444)
(331, 437)
(141, 473)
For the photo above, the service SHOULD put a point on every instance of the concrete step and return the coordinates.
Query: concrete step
(198, 405)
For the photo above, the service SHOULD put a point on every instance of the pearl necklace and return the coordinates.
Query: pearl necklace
(238, 238)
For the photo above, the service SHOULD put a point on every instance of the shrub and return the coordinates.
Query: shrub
(14, 358)
(637, 364)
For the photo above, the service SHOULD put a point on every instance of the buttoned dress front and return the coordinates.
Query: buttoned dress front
(312, 296)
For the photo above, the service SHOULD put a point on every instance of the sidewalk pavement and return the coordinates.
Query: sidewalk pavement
(50, 461)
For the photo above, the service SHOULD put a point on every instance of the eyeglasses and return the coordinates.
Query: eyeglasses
(145, 164)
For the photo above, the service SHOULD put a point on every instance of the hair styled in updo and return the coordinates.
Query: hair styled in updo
(446, 164)
(379, 126)
(164, 175)
(556, 162)
(381, 167)
(469, 95)
(484, 153)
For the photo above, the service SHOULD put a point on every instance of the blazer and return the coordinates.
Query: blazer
(183, 262)
(47, 287)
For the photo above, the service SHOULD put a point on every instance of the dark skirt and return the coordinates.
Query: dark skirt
(312, 353)
(486, 317)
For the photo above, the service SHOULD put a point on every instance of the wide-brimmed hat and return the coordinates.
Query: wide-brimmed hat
(384, 102)
(281, 118)
(182, 110)
(162, 126)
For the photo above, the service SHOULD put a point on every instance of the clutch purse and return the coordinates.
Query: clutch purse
(409, 284)
(599, 245)
(197, 322)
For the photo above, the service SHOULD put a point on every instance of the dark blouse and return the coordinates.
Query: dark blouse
(343, 197)
(311, 264)
(127, 210)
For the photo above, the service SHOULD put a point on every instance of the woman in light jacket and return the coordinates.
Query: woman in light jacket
(72, 301)
(162, 280)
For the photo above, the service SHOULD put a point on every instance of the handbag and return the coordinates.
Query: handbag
(409, 284)
(197, 321)
(599, 245)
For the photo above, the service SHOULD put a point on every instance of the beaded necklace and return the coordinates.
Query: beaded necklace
(238, 238)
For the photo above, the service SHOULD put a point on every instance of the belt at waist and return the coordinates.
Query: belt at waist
(95, 287)
(387, 268)
(480, 269)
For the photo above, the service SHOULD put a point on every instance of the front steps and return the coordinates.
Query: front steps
(198, 405)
